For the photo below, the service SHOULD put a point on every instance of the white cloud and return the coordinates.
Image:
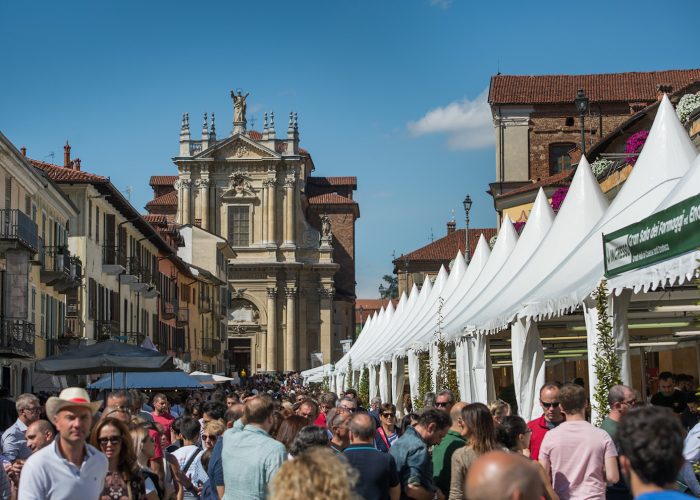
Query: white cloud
(443, 4)
(468, 124)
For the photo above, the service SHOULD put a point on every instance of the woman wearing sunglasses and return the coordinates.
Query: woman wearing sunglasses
(388, 431)
(123, 481)
(145, 450)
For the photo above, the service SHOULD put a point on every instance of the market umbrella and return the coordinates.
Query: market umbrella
(105, 357)
(208, 378)
(151, 380)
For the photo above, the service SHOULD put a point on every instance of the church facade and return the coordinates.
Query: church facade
(292, 283)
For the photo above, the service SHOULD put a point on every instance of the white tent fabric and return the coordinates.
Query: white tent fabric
(538, 225)
(463, 369)
(581, 210)
(483, 388)
(413, 371)
(434, 366)
(384, 389)
(678, 269)
(665, 158)
(373, 387)
(397, 383)
(528, 367)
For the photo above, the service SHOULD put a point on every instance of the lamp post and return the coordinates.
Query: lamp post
(382, 290)
(582, 107)
(467, 207)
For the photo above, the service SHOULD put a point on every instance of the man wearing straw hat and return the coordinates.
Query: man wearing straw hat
(69, 468)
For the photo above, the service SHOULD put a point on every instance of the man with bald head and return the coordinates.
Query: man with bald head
(442, 453)
(498, 475)
(39, 434)
(379, 478)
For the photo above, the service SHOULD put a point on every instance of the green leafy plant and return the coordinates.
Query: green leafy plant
(446, 376)
(326, 384)
(606, 359)
(425, 376)
(363, 389)
(350, 375)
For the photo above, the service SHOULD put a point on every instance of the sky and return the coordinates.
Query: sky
(393, 92)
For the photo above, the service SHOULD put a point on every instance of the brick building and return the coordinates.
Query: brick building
(538, 129)
(424, 262)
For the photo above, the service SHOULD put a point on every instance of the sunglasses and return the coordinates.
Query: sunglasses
(112, 440)
(388, 415)
(442, 405)
(207, 437)
(554, 404)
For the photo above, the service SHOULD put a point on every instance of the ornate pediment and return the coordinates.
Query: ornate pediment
(238, 188)
(238, 147)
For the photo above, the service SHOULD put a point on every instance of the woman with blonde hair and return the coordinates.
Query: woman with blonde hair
(145, 450)
(314, 474)
(499, 409)
(124, 480)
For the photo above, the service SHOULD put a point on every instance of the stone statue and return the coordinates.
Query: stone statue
(326, 233)
(239, 106)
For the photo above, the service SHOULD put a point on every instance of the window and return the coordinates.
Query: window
(8, 192)
(559, 158)
(27, 205)
(32, 318)
(238, 225)
(89, 218)
(42, 322)
(97, 224)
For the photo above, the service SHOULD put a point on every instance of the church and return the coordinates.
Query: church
(292, 282)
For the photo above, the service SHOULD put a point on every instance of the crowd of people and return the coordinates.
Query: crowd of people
(271, 437)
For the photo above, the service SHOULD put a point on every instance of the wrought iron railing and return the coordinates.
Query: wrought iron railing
(18, 226)
(113, 256)
(211, 347)
(17, 337)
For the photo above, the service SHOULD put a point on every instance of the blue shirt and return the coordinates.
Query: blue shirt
(412, 460)
(216, 467)
(663, 495)
(377, 471)
(14, 443)
(250, 459)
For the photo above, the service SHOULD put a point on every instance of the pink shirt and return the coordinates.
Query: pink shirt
(576, 452)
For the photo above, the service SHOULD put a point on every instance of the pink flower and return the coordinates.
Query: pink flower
(634, 145)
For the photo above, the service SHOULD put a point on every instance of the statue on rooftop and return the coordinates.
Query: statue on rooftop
(239, 106)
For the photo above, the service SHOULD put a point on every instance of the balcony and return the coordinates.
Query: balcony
(168, 310)
(211, 347)
(17, 338)
(220, 311)
(74, 327)
(106, 329)
(140, 280)
(61, 345)
(204, 305)
(17, 231)
(113, 260)
(59, 269)
(183, 316)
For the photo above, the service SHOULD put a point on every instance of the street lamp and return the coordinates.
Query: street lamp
(467, 207)
(382, 290)
(582, 107)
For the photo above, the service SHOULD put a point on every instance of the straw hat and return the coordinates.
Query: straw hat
(72, 397)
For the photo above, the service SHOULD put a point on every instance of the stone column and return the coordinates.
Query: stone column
(326, 293)
(186, 183)
(289, 211)
(271, 211)
(271, 328)
(263, 211)
(303, 363)
(204, 196)
(290, 332)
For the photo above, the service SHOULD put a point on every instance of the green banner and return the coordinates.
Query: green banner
(659, 237)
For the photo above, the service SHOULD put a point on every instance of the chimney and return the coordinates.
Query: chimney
(23, 150)
(66, 155)
(451, 226)
(661, 89)
(76, 164)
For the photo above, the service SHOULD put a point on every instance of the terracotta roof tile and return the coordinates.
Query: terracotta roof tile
(333, 181)
(156, 219)
(168, 199)
(62, 174)
(255, 135)
(611, 87)
(330, 199)
(445, 249)
(163, 180)
(560, 179)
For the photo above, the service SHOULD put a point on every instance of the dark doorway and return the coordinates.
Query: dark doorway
(240, 355)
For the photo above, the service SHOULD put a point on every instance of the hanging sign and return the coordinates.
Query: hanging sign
(665, 234)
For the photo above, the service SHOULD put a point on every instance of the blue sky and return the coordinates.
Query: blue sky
(389, 91)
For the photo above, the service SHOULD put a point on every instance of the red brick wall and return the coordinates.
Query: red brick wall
(548, 126)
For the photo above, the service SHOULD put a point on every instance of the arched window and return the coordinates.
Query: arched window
(559, 157)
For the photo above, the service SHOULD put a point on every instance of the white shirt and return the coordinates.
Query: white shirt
(47, 475)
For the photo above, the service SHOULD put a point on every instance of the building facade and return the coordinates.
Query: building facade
(37, 269)
(292, 281)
